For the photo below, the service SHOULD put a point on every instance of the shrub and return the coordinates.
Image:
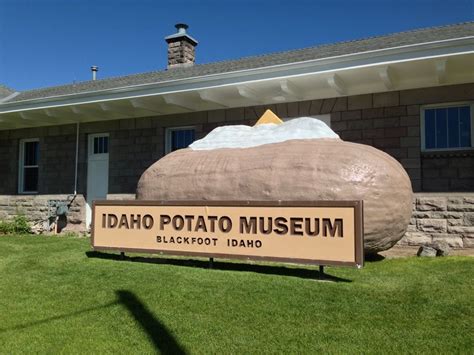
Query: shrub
(19, 225)
(6, 227)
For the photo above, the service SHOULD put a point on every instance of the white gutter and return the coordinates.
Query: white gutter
(386, 56)
(77, 158)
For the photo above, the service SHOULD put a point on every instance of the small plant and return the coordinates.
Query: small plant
(70, 234)
(6, 227)
(19, 224)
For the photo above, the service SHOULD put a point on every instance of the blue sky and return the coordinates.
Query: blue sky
(54, 42)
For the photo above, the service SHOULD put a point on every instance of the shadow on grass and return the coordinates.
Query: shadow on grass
(222, 265)
(162, 339)
(374, 257)
(157, 332)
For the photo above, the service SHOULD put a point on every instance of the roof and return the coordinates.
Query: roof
(5, 91)
(426, 35)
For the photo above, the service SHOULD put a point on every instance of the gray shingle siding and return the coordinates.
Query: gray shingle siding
(293, 56)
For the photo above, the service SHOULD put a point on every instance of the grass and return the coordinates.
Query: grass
(56, 299)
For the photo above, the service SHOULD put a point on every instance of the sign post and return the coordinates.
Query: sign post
(322, 233)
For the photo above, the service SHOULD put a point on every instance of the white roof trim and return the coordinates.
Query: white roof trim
(427, 50)
(11, 96)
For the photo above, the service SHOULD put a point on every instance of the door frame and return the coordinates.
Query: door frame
(95, 157)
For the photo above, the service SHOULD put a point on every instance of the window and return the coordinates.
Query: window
(29, 159)
(448, 127)
(100, 144)
(178, 138)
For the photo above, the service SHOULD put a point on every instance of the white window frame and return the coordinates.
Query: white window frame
(168, 133)
(90, 148)
(445, 105)
(21, 165)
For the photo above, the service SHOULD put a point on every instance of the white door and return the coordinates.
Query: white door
(97, 171)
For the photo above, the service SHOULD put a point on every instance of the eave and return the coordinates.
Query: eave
(431, 64)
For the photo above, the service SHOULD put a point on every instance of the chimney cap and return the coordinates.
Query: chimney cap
(181, 34)
(181, 25)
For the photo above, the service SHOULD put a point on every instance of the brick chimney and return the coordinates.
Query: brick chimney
(181, 48)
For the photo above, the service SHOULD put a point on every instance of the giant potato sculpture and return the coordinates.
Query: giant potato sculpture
(291, 170)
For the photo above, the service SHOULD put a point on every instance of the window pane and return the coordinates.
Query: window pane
(186, 136)
(189, 137)
(106, 145)
(27, 149)
(181, 138)
(430, 134)
(99, 140)
(174, 140)
(37, 151)
(465, 126)
(30, 179)
(441, 128)
(26, 153)
(453, 127)
(31, 153)
(101, 145)
(448, 127)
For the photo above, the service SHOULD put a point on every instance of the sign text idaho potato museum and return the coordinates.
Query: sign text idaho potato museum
(326, 233)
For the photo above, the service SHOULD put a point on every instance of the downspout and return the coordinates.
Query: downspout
(77, 158)
(62, 207)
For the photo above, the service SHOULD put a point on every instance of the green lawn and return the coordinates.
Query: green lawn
(55, 298)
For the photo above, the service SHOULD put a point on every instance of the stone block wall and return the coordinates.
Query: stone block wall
(448, 171)
(442, 216)
(40, 211)
(57, 156)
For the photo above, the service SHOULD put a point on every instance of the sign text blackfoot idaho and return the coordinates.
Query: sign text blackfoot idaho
(324, 232)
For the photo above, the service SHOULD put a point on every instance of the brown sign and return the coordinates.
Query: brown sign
(325, 233)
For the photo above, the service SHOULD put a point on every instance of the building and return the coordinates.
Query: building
(410, 94)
